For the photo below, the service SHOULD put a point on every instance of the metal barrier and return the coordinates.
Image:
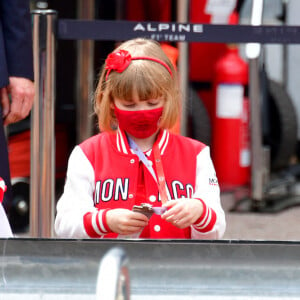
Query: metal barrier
(42, 125)
(258, 163)
(183, 48)
(42, 167)
(85, 76)
(113, 276)
(191, 270)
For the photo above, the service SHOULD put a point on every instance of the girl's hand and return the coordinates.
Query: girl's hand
(184, 212)
(125, 221)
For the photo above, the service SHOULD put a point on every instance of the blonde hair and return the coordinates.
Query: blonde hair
(148, 79)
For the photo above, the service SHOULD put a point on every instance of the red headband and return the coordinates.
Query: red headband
(121, 59)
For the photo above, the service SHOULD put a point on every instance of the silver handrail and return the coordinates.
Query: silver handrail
(258, 161)
(113, 276)
(85, 75)
(42, 125)
(183, 66)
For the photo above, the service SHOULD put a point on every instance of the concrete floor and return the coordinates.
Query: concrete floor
(247, 225)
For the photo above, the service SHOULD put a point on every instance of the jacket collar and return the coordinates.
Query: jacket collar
(123, 146)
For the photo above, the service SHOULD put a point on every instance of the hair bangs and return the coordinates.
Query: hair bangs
(140, 80)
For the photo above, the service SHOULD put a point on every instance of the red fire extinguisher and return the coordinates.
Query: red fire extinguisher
(230, 124)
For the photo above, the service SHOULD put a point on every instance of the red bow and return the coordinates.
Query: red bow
(118, 61)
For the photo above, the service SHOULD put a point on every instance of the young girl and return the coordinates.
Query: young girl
(136, 178)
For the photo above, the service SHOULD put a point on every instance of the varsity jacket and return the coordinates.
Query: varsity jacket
(103, 174)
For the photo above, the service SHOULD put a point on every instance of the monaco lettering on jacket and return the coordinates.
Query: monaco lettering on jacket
(118, 189)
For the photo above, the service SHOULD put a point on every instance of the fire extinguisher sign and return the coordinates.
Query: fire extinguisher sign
(230, 101)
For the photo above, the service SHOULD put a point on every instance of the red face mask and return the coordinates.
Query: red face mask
(139, 123)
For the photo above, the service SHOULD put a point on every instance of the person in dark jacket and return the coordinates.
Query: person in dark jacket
(16, 74)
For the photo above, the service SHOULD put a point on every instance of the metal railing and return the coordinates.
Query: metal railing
(55, 269)
(258, 157)
(42, 125)
(113, 276)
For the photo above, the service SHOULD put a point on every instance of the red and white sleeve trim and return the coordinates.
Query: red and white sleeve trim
(95, 223)
(207, 220)
(2, 189)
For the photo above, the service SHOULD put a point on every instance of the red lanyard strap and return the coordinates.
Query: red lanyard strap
(161, 180)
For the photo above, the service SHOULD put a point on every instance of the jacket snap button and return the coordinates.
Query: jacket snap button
(130, 196)
(157, 228)
(132, 161)
(152, 198)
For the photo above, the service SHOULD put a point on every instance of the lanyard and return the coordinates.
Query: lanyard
(160, 178)
(161, 175)
(136, 149)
